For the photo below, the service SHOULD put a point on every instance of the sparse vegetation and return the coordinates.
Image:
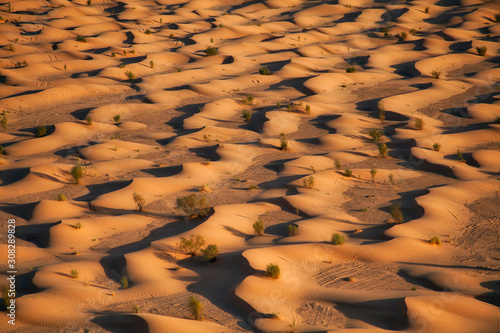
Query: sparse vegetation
(273, 271)
(283, 142)
(136, 308)
(436, 74)
(139, 201)
(74, 273)
(124, 282)
(351, 69)
(413, 31)
(192, 245)
(195, 307)
(113, 54)
(375, 134)
(77, 225)
(381, 112)
(209, 254)
(460, 157)
(426, 10)
(3, 122)
(81, 39)
(309, 182)
(338, 165)
(210, 51)
(264, 71)
(373, 172)
(148, 31)
(404, 35)
(397, 213)
(419, 123)
(248, 100)
(496, 17)
(117, 118)
(382, 150)
(435, 240)
(89, 120)
(89, 2)
(152, 64)
(193, 205)
(292, 229)
(436, 146)
(481, 50)
(391, 179)
(337, 239)
(40, 131)
(308, 109)
(61, 197)
(348, 173)
(247, 115)
(11, 48)
(258, 227)
(130, 75)
(77, 173)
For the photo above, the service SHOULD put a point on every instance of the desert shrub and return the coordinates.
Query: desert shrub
(74, 273)
(373, 172)
(113, 54)
(273, 271)
(308, 108)
(258, 227)
(248, 100)
(382, 150)
(89, 2)
(11, 48)
(139, 201)
(283, 142)
(117, 118)
(481, 50)
(152, 64)
(426, 10)
(3, 122)
(396, 213)
(460, 157)
(338, 165)
(148, 31)
(210, 253)
(496, 17)
(381, 112)
(124, 282)
(210, 51)
(40, 131)
(61, 197)
(193, 205)
(348, 172)
(81, 39)
(136, 308)
(435, 240)
(497, 120)
(130, 75)
(292, 229)
(351, 69)
(192, 245)
(247, 115)
(77, 173)
(375, 134)
(77, 225)
(264, 71)
(436, 146)
(413, 31)
(309, 182)
(419, 123)
(89, 120)
(436, 74)
(404, 35)
(195, 307)
(391, 179)
(337, 239)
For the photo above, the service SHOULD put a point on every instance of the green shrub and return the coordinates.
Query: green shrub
(419, 123)
(195, 307)
(426, 10)
(436, 74)
(74, 273)
(192, 245)
(248, 100)
(309, 182)
(130, 75)
(152, 64)
(391, 179)
(77, 173)
(351, 69)
(124, 282)
(117, 118)
(382, 149)
(81, 39)
(436, 147)
(375, 134)
(413, 31)
(308, 109)
(247, 114)
(264, 71)
(89, 2)
(337, 239)
(273, 271)
(396, 213)
(481, 50)
(209, 254)
(435, 240)
(373, 172)
(113, 54)
(496, 17)
(3, 122)
(89, 120)
(40, 131)
(338, 165)
(348, 173)
(404, 35)
(148, 31)
(61, 197)
(77, 226)
(210, 51)
(258, 227)
(283, 142)
(460, 157)
(136, 308)
(292, 229)
(193, 205)
(139, 201)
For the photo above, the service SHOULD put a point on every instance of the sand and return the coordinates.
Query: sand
(138, 115)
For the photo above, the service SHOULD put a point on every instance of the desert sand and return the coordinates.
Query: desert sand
(284, 125)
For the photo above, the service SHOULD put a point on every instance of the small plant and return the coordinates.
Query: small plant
(209, 254)
(264, 71)
(77, 226)
(124, 282)
(113, 54)
(419, 123)
(193, 205)
(89, 120)
(248, 100)
(308, 109)
(404, 35)
(77, 173)
(351, 69)
(426, 10)
(273, 271)
(61, 197)
(309, 182)
(148, 31)
(204, 188)
(210, 51)
(414, 288)
(337, 239)
(435, 240)
(130, 75)
(11, 48)
(391, 179)
(247, 115)
(338, 165)
(375, 134)
(348, 173)
(364, 209)
(382, 150)
(292, 229)
(436, 74)
(373, 172)
(436, 146)
(192, 245)
(152, 64)
(117, 118)
(396, 213)
(195, 307)
(496, 17)
(136, 308)
(81, 39)
(481, 50)
(3, 122)
(460, 157)
(381, 112)
(413, 31)
(40, 131)
(283, 142)
(139, 201)
(258, 227)
(74, 273)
